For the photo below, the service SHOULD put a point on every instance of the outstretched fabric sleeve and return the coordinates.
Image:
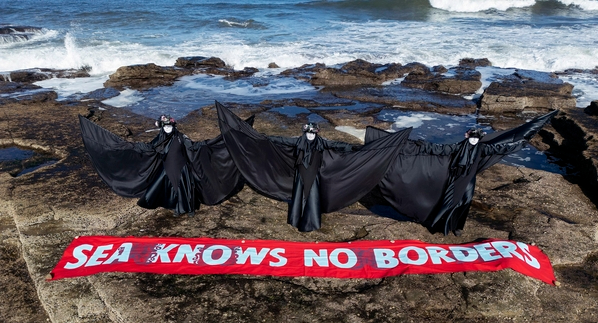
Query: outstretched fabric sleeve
(347, 176)
(266, 167)
(127, 168)
(269, 167)
(415, 183)
(216, 175)
(419, 180)
(524, 132)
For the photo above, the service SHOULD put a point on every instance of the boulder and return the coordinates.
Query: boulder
(199, 62)
(592, 109)
(32, 75)
(458, 80)
(360, 72)
(144, 76)
(474, 62)
(527, 91)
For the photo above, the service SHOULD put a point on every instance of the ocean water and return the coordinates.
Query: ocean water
(542, 35)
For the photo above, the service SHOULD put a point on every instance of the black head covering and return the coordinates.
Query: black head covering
(311, 127)
(475, 133)
(165, 120)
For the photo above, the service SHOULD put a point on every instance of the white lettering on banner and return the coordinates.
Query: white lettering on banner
(101, 252)
(507, 249)
(97, 255)
(276, 254)
(162, 254)
(422, 256)
(464, 254)
(208, 258)
(252, 254)
(351, 258)
(385, 258)
(79, 255)
(321, 259)
(121, 254)
(486, 252)
(185, 251)
(530, 260)
(437, 254)
(88, 255)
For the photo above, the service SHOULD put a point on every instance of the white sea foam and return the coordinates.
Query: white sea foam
(126, 98)
(358, 133)
(583, 4)
(414, 120)
(246, 86)
(477, 5)
(585, 87)
(66, 87)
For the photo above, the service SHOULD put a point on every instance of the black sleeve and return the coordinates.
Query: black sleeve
(340, 146)
(267, 166)
(287, 141)
(127, 168)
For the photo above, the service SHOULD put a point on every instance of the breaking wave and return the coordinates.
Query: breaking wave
(502, 5)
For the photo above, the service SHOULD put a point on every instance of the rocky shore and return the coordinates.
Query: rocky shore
(59, 197)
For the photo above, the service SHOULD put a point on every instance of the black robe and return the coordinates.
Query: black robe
(313, 177)
(171, 171)
(434, 184)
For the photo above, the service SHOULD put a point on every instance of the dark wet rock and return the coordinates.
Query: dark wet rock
(273, 65)
(410, 99)
(460, 80)
(101, 94)
(18, 33)
(576, 143)
(7, 30)
(578, 70)
(141, 77)
(527, 91)
(237, 74)
(16, 91)
(199, 62)
(304, 72)
(15, 87)
(39, 74)
(360, 72)
(213, 66)
(592, 109)
(474, 62)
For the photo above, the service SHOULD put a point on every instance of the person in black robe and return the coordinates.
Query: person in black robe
(171, 171)
(304, 207)
(434, 183)
(312, 174)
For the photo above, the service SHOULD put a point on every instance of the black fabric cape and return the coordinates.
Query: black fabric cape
(314, 178)
(171, 171)
(434, 184)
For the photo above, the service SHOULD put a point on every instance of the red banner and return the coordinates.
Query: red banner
(88, 255)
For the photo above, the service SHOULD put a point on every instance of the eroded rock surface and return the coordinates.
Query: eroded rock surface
(527, 91)
(43, 211)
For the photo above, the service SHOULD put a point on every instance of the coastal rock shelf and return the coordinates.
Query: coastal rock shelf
(42, 211)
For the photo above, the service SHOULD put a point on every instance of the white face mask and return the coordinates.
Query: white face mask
(168, 128)
(474, 141)
(310, 136)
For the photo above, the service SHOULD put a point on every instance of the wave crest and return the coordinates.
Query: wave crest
(477, 5)
(17, 34)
